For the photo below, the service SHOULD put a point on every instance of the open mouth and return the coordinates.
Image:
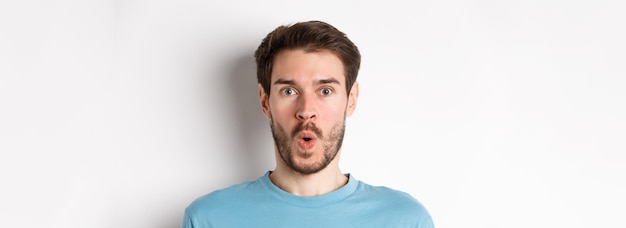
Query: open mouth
(306, 140)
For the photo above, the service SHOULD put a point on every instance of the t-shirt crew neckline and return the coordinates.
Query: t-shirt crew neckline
(315, 201)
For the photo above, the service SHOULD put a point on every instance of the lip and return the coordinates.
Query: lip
(306, 134)
(306, 144)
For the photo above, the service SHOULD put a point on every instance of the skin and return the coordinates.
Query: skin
(307, 107)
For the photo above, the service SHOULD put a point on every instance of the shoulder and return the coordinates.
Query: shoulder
(398, 204)
(390, 196)
(219, 198)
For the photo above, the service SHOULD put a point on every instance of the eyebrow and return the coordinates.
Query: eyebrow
(327, 81)
(318, 82)
(284, 82)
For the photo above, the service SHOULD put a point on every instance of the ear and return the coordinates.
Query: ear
(352, 98)
(264, 99)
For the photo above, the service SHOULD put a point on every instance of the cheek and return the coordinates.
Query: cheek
(334, 113)
(281, 110)
(336, 105)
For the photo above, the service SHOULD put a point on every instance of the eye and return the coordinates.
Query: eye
(288, 91)
(326, 91)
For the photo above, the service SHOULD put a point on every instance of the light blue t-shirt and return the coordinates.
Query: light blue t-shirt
(261, 204)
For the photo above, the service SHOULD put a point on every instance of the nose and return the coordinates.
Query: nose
(307, 109)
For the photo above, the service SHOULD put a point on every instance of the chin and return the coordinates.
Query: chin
(308, 166)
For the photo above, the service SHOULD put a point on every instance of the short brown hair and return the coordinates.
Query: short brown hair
(309, 36)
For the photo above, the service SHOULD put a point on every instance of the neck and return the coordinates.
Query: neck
(322, 182)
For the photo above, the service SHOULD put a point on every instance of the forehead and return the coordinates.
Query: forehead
(303, 66)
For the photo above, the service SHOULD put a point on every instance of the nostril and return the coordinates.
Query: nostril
(305, 116)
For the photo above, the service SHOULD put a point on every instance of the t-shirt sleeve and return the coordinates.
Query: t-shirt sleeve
(426, 222)
(187, 223)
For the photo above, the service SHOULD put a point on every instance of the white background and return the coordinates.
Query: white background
(491, 113)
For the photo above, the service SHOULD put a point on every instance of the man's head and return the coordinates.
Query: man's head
(307, 86)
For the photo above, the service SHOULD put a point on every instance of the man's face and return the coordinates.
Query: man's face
(307, 106)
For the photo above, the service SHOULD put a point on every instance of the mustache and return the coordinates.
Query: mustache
(309, 127)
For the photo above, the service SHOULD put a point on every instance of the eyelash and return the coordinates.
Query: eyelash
(330, 91)
(284, 91)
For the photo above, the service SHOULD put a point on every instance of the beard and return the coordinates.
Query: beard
(331, 144)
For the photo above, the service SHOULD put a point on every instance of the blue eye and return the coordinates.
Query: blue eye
(288, 91)
(326, 91)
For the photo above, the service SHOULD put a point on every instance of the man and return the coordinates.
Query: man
(307, 87)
